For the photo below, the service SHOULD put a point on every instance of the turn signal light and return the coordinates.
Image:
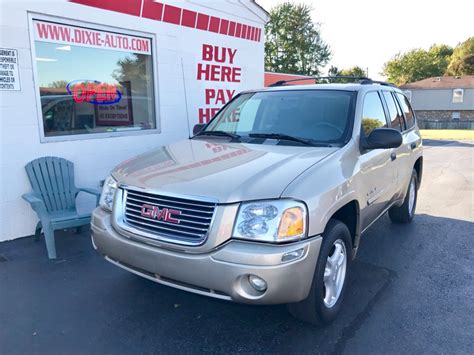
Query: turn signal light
(292, 223)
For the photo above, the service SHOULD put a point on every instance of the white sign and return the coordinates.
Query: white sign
(9, 77)
(86, 37)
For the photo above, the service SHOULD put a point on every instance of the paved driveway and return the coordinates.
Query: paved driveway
(411, 291)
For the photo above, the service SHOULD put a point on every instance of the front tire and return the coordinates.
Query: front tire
(330, 277)
(406, 212)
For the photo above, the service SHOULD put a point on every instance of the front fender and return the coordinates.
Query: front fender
(327, 187)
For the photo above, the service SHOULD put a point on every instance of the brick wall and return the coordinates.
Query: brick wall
(443, 119)
(443, 115)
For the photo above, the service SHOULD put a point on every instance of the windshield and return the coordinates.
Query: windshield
(315, 116)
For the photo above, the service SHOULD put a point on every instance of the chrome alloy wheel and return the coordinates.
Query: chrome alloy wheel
(335, 273)
(411, 196)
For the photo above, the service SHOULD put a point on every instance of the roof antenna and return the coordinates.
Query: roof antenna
(185, 99)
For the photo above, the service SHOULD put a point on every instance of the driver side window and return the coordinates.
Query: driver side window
(373, 115)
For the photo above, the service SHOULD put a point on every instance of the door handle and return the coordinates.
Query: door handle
(393, 156)
(413, 145)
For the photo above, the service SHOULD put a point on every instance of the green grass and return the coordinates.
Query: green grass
(447, 134)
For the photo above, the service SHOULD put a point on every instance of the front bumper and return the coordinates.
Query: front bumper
(221, 273)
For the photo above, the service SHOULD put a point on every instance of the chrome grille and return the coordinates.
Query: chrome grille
(194, 220)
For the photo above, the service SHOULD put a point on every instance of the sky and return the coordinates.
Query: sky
(55, 61)
(368, 33)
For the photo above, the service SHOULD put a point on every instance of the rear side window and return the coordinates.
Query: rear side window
(395, 116)
(406, 108)
(373, 114)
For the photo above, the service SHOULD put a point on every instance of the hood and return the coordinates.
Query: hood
(212, 168)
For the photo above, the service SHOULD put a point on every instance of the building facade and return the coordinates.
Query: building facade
(443, 102)
(100, 81)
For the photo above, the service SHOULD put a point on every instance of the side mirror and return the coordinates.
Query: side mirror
(198, 128)
(383, 138)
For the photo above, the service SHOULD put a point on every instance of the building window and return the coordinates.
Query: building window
(458, 95)
(456, 115)
(93, 81)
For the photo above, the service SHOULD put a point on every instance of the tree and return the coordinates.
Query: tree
(418, 64)
(59, 84)
(333, 71)
(133, 69)
(462, 60)
(293, 42)
(354, 71)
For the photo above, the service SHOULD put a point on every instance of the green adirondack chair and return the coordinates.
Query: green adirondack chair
(54, 198)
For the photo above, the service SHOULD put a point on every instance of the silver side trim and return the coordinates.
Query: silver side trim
(380, 215)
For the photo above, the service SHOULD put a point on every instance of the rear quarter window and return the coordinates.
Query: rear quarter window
(407, 110)
(396, 118)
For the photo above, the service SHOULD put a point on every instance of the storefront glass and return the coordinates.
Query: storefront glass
(93, 81)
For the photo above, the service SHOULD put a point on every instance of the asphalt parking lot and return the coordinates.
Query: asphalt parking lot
(411, 291)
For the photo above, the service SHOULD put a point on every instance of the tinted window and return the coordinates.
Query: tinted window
(409, 117)
(399, 111)
(394, 113)
(318, 115)
(373, 115)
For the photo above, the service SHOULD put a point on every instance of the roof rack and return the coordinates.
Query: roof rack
(384, 83)
(360, 79)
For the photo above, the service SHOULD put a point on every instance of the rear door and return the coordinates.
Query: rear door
(406, 156)
(396, 121)
(377, 167)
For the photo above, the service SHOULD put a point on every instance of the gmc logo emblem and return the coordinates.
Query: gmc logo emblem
(163, 214)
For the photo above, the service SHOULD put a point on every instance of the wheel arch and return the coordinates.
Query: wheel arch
(349, 214)
(419, 169)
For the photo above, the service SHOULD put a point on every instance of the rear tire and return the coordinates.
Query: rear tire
(329, 282)
(406, 212)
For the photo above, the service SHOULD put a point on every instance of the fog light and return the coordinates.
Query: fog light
(292, 255)
(258, 283)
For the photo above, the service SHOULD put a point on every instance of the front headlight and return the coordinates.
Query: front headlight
(108, 193)
(271, 221)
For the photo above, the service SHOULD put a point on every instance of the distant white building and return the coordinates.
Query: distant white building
(443, 102)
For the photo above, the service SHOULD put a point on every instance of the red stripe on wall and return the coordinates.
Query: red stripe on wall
(152, 10)
(214, 24)
(244, 31)
(189, 18)
(176, 15)
(224, 27)
(238, 30)
(131, 7)
(202, 22)
(172, 14)
(231, 28)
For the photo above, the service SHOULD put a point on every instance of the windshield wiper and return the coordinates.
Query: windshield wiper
(218, 134)
(288, 138)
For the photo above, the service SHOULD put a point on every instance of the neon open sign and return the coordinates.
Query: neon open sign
(94, 92)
